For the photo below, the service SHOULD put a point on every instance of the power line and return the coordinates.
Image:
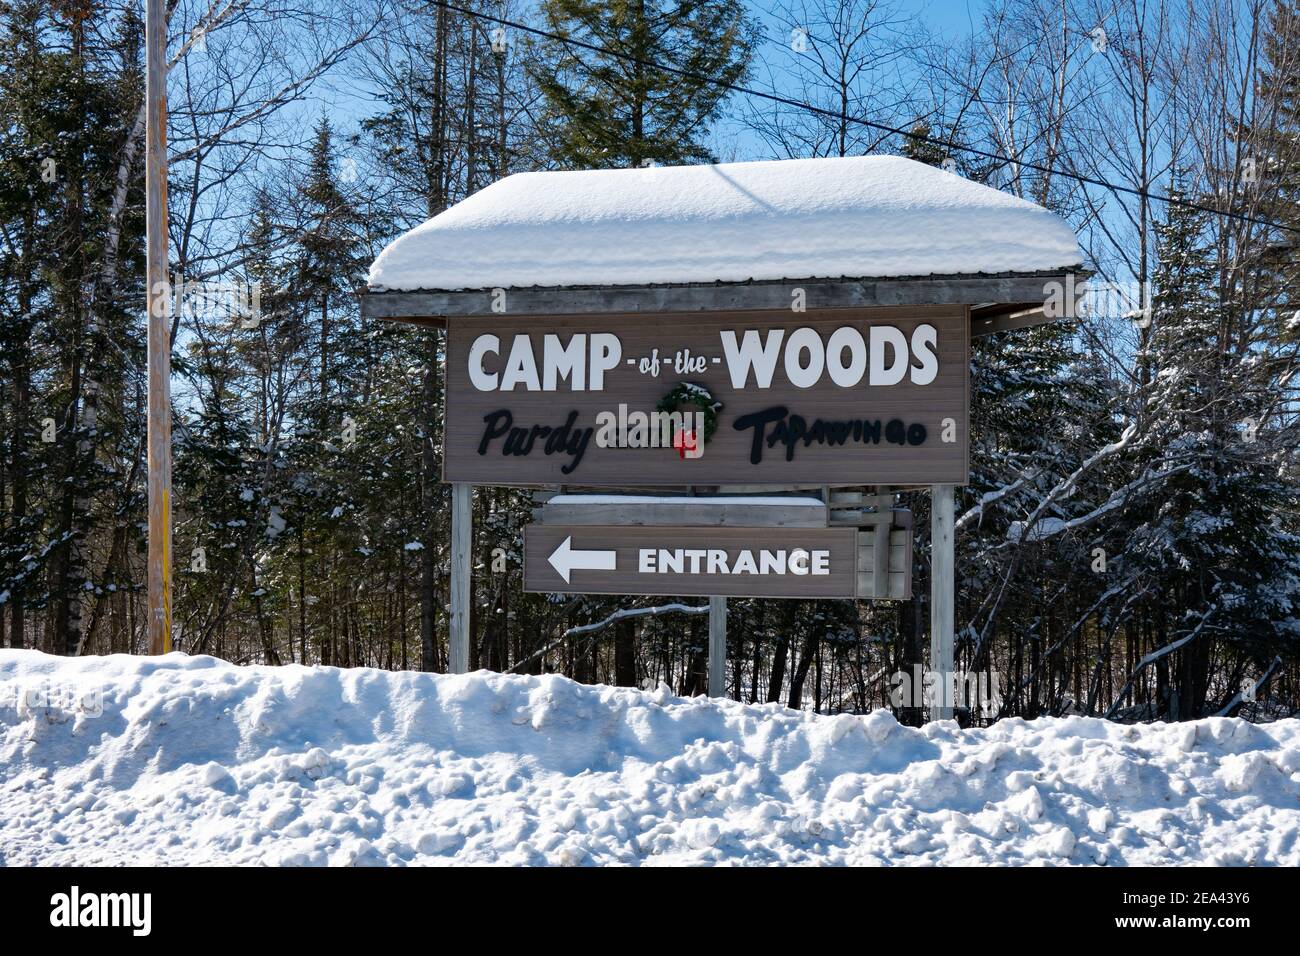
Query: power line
(948, 145)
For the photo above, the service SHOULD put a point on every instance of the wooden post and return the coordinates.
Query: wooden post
(158, 299)
(943, 585)
(880, 560)
(717, 647)
(462, 531)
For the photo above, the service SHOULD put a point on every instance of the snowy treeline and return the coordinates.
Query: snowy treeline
(1127, 545)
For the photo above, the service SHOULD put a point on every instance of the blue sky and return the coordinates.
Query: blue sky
(346, 101)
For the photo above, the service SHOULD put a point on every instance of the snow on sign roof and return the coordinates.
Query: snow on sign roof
(856, 217)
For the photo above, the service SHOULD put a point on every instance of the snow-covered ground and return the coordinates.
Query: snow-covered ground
(193, 760)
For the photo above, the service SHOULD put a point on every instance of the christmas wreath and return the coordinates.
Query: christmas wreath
(688, 393)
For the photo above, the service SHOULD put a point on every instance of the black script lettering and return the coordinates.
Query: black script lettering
(520, 442)
(539, 431)
(759, 422)
(515, 442)
(577, 446)
(560, 436)
(791, 430)
(798, 430)
(492, 431)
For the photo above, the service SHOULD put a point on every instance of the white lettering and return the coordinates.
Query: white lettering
(846, 376)
(564, 362)
(799, 561)
(924, 348)
(800, 375)
(750, 353)
(881, 336)
(606, 352)
(520, 367)
(481, 380)
(582, 362)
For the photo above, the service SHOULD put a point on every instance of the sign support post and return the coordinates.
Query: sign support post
(943, 585)
(462, 529)
(717, 646)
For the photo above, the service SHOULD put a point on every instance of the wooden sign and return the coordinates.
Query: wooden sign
(727, 562)
(876, 396)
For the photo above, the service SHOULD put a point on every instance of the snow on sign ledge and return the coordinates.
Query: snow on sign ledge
(712, 500)
(863, 216)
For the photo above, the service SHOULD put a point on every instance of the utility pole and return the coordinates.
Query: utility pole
(159, 315)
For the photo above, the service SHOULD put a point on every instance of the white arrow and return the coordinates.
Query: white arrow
(566, 558)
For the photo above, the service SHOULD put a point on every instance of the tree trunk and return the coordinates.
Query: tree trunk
(785, 627)
(625, 653)
(697, 668)
(807, 656)
(911, 657)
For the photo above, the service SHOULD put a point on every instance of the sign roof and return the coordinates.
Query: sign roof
(830, 218)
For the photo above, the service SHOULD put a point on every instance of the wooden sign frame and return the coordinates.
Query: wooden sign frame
(530, 398)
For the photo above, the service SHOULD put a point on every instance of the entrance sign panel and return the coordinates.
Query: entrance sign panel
(726, 562)
(876, 396)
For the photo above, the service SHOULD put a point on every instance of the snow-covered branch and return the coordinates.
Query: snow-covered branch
(976, 513)
(1117, 499)
(1066, 486)
(619, 615)
(1240, 697)
(1157, 655)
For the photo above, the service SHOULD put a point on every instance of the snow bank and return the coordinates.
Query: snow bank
(192, 760)
(857, 216)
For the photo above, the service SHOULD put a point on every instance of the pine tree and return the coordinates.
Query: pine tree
(1274, 157)
(25, 196)
(324, 457)
(917, 145)
(71, 87)
(607, 112)
(331, 264)
(1217, 561)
